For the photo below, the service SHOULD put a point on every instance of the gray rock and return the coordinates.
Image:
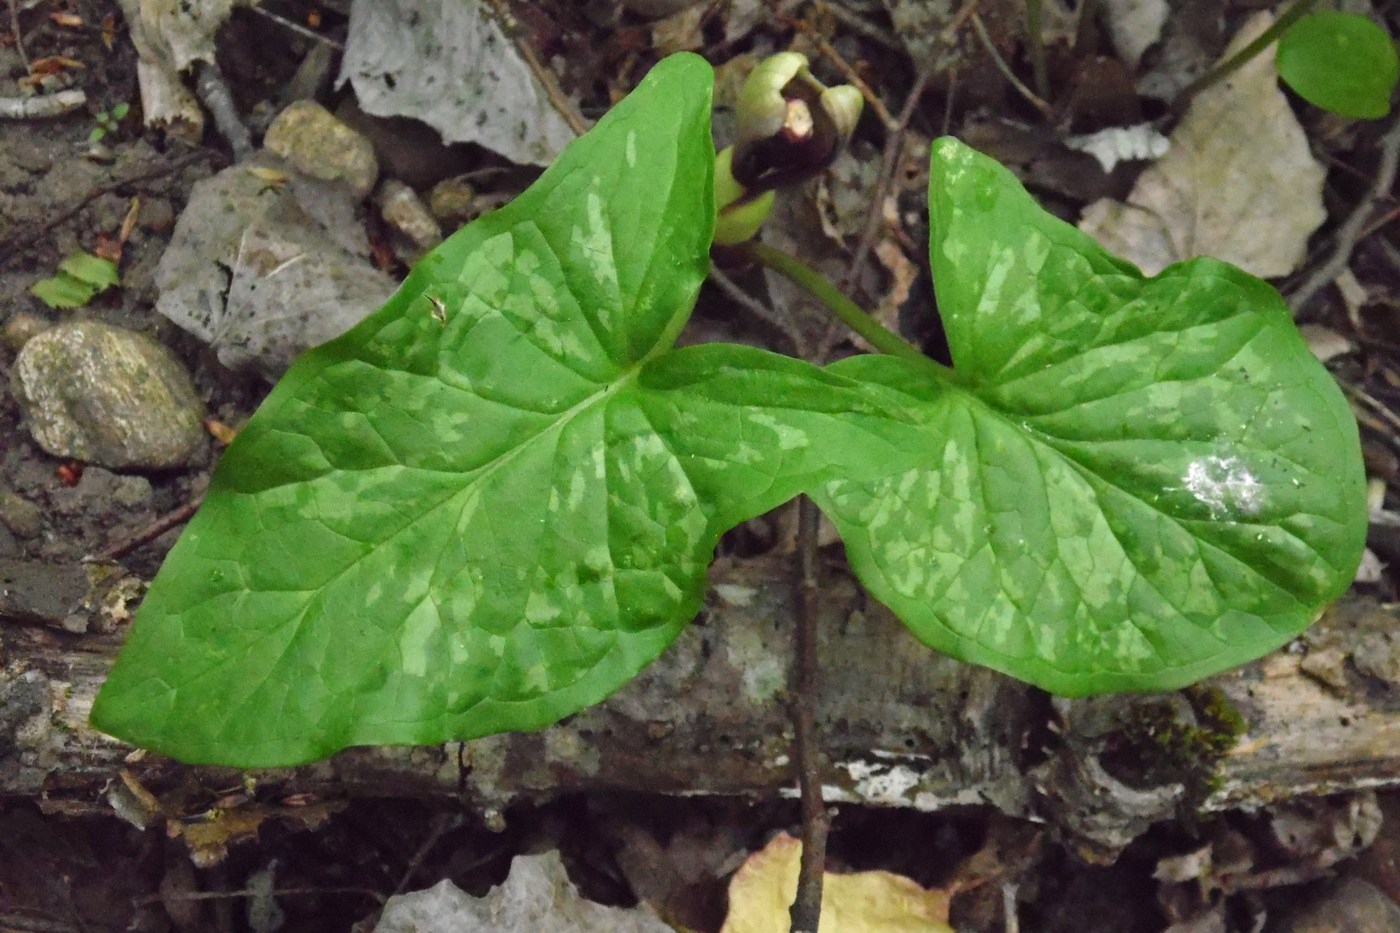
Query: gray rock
(21, 516)
(1353, 906)
(109, 396)
(262, 271)
(309, 137)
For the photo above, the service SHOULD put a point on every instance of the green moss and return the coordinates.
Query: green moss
(1160, 745)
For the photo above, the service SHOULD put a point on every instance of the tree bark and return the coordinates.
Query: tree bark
(900, 725)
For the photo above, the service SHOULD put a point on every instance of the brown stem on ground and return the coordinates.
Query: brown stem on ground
(1356, 227)
(805, 913)
(152, 531)
(27, 235)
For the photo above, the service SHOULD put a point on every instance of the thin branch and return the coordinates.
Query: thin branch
(1239, 59)
(213, 91)
(805, 913)
(857, 24)
(148, 534)
(19, 36)
(32, 236)
(1045, 109)
(42, 106)
(847, 70)
(1352, 230)
(297, 28)
(561, 101)
(761, 311)
(893, 144)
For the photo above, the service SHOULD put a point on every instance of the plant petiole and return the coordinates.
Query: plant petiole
(851, 314)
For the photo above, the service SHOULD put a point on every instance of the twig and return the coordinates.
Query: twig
(148, 534)
(42, 105)
(761, 311)
(19, 35)
(893, 144)
(805, 912)
(250, 892)
(442, 823)
(297, 28)
(1379, 408)
(1005, 69)
(213, 91)
(1352, 229)
(847, 70)
(30, 237)
(1239, 59)
(858, 24)
(561, 101)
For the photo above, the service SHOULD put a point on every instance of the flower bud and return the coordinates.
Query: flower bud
(791, 126)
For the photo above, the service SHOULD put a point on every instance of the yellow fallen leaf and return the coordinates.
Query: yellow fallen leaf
(863, 902)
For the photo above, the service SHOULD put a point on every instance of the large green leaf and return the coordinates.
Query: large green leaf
(1128, 483)
(491, 503)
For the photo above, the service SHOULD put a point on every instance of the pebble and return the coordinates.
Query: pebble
(20, 516)
(108, 396)
(310, 137)
(157, 216)
(20, 328)
(451, 201)
(403, 210)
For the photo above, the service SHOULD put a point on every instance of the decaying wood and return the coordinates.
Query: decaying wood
(901, 726)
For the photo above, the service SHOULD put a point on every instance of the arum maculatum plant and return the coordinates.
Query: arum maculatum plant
(493, 502)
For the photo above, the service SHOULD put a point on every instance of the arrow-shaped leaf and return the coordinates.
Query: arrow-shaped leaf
(494, 501)
(1129, 484)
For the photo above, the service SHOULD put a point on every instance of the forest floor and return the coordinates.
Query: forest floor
(927, 69)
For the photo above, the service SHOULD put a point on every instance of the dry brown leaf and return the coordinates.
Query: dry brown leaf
(1239, 182)
(864, 902)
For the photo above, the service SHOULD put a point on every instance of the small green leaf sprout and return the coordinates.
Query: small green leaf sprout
(79, 278)
(108, 121)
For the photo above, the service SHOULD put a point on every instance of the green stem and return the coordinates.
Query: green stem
(1232, 64)
(1037, 48)
(854, 317)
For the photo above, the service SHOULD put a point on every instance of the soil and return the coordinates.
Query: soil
(333, 868)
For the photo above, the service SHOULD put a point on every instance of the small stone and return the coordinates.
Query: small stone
(451, 201)
(109, 396)
(20, 515)
(317, 144)
(19, 328)
(403, 210)
(157, 216)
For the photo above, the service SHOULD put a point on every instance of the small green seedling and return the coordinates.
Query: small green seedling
(108, 121)
(1343, 62)
(80, 277)
(494, 501)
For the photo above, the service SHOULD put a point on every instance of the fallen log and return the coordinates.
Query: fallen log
(901, 725)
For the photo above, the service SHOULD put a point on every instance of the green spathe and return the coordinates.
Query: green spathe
(493, 502)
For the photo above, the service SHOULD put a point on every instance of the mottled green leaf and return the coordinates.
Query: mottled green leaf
(494, 501)
(1343, 62)
(1127, 484)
